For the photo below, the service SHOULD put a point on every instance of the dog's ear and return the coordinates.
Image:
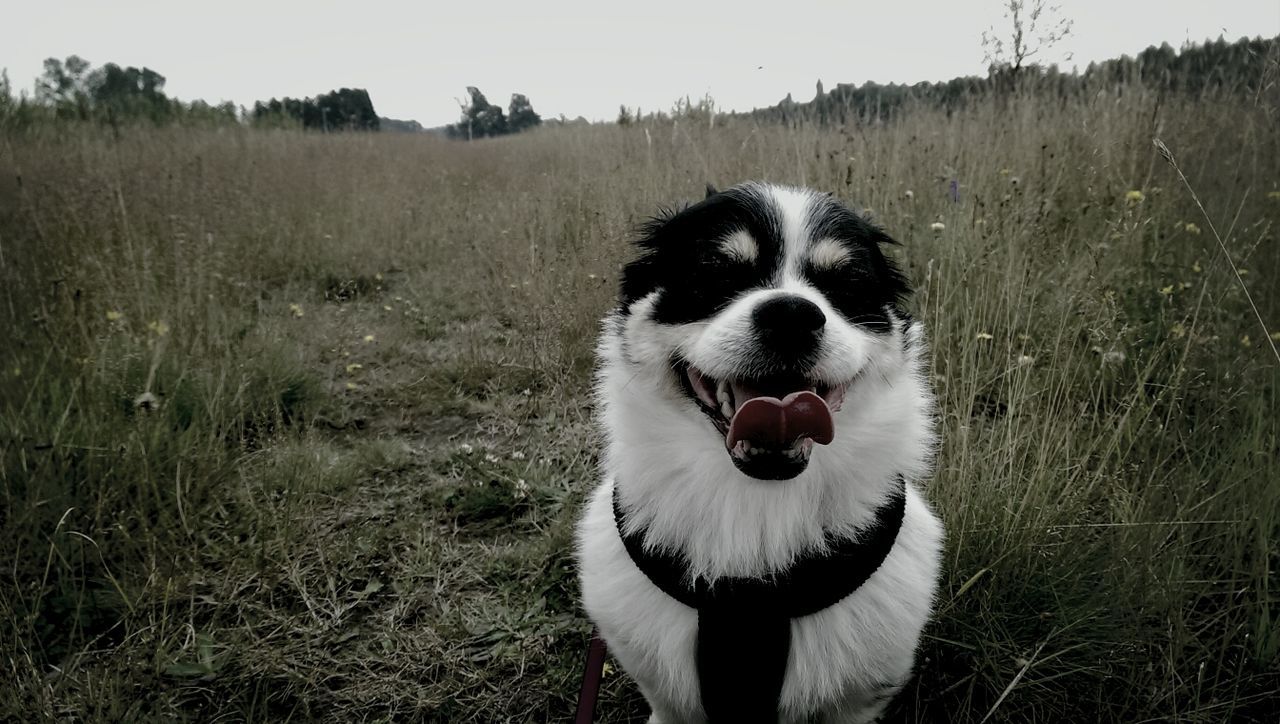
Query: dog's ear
(711, 191)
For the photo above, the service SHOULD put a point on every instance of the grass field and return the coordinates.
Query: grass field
(295, 426)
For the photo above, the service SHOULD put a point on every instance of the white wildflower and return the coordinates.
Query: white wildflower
(147, 402)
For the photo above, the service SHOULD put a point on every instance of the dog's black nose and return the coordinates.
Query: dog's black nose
(789, 321)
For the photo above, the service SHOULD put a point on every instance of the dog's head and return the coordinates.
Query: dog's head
(754, 312)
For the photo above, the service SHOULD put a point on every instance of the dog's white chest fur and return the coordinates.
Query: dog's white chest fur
(693, 493)
(846, 661)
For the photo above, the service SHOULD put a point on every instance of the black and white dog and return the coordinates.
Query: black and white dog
(757, 550)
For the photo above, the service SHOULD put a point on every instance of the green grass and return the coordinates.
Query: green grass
(370, 356)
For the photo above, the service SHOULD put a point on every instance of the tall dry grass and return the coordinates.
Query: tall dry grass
(296, 425)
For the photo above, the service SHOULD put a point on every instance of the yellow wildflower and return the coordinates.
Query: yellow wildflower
(1275, 336)
(1134, 196)
(1192, 228)
(386, 308)
(352, 386)
(983, 336)
(1245, 341)
(1196, 267)
(354, 367)
(1178, 331)
(1273, 195)
(295, 310)
(1167, 290)
(158, 328)
(114, 316)
(368, 338)
(1005, 172)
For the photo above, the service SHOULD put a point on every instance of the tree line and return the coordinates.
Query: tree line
(72, 89)
(1246, 65)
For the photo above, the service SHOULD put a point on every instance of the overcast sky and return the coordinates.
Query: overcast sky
(573, 58)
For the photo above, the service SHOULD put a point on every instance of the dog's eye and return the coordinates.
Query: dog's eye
(856, 292)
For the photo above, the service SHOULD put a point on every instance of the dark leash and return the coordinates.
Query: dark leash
(591, 676)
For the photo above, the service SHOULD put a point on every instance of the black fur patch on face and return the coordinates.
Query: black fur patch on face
(682, 256)
(862, 286)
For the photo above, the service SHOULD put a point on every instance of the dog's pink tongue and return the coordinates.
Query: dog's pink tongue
(770, 422)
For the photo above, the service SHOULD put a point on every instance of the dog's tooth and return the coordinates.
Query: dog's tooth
(725, 397)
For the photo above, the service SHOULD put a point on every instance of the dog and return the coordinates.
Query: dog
(757, 549)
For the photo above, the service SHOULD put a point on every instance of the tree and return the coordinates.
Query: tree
(128, 92)
(480, 118)
(64, 86)
(520, 114)
(345, 109)
(1033, 27)
(6, 92)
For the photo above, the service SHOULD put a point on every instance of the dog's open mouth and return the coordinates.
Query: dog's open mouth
(769, 424)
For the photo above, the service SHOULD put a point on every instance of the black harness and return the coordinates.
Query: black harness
(744, 624)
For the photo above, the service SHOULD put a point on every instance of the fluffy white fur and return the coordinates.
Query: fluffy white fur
(828, 253)
(676, 480)
(739, 244)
